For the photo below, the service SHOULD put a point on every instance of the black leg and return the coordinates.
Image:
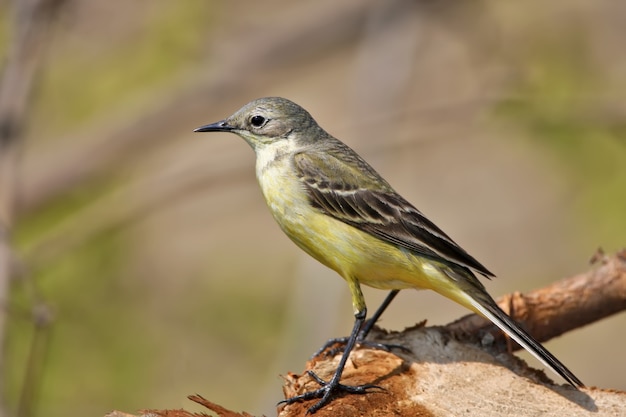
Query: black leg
(379, 312)
(367, 327)
(333, 388)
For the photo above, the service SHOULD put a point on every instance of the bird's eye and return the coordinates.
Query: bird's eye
(257, 121)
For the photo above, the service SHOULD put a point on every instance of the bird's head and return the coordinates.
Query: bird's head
(267, 120)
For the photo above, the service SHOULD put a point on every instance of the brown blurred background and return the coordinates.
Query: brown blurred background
(504, 122)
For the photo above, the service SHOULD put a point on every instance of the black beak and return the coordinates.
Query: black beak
(220, 126)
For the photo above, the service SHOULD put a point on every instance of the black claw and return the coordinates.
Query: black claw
(328, 391)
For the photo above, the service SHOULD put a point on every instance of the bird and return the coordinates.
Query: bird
(333, 205)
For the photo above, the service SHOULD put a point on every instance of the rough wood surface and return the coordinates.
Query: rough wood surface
(444, 377)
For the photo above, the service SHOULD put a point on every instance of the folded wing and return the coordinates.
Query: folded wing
(355, 194)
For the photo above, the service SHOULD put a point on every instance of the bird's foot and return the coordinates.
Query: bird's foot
(328, 391)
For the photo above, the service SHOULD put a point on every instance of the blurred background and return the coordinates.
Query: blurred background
(144, 265)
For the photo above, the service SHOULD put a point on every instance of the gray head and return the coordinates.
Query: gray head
(267, 120)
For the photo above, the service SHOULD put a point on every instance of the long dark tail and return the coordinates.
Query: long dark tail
(490, 310)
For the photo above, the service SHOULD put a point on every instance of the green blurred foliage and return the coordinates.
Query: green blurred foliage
(80, 84)
(559, 101)
(90, 312)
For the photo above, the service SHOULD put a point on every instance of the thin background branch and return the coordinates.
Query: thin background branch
(32, 19)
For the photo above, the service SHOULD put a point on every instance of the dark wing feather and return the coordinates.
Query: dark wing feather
(355, 194)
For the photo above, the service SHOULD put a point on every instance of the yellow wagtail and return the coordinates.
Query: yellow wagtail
(335, 207)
